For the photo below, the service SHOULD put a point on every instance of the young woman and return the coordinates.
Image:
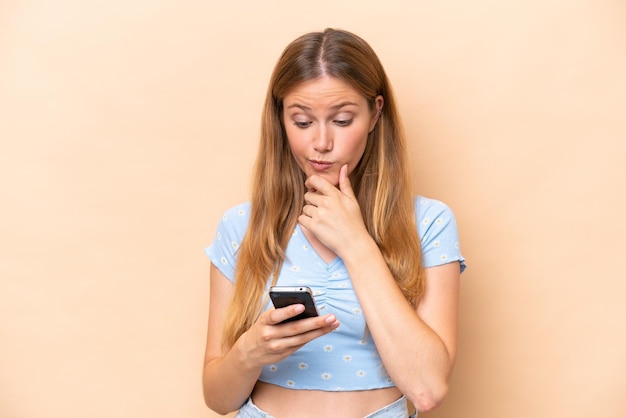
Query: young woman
(332, 209)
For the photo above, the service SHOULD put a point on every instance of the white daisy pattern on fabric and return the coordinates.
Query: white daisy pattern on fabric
(438, 234)
(346, 357)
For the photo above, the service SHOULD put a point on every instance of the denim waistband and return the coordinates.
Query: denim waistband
(396, 409)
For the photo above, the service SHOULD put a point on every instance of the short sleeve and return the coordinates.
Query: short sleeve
(438, 233)
(230, 232)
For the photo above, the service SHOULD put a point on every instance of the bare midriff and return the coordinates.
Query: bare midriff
(282, 402)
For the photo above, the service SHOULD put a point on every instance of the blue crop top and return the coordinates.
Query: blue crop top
(347, 358)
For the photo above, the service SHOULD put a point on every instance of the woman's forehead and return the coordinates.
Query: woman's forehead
(326, 92)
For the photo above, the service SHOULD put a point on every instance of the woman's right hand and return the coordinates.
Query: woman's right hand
(229, 375)
(269, 341)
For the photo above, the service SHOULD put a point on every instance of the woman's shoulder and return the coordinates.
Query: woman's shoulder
(434, 218)
(427, 208)
(438, 232)
(228, 237)
(239, 210)
(236, 217)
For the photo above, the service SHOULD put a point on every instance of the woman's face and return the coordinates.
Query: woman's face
(327, 123)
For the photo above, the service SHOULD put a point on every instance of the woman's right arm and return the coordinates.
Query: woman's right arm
(229, 377)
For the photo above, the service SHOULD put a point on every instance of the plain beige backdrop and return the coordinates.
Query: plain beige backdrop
(128, 127)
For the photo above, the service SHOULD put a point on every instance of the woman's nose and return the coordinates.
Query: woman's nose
(323, 140)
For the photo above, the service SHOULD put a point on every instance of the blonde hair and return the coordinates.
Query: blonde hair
(381, 180)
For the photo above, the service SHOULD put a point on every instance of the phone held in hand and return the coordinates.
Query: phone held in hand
(282, 296)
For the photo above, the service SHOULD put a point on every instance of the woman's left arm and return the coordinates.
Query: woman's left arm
(418, 347)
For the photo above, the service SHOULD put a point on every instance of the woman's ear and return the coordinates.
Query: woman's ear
(379, 102)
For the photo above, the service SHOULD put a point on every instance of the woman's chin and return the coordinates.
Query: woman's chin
(330, 176)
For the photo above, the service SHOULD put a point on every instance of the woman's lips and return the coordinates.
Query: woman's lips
(320, 165)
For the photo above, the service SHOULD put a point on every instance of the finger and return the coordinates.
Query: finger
(279, 315)
(344, 182)
(307, 211)
(308, 329)
(320, 185)
(293, 335)
(313, 326)
(305, 221)
(312, 198)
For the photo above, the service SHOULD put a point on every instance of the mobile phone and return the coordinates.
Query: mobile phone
(290, 295)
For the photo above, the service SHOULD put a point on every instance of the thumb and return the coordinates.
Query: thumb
(344, 182)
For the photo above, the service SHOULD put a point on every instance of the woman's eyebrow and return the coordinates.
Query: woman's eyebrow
(306, 108)
(299, 106)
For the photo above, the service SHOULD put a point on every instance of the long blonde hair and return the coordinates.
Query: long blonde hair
(381, 180)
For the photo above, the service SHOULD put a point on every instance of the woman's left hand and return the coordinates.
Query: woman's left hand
(332, 214)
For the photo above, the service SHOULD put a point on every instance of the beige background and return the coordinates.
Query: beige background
(127, 127)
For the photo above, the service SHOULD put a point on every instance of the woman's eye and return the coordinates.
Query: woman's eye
(302, 124)
(343, 122)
